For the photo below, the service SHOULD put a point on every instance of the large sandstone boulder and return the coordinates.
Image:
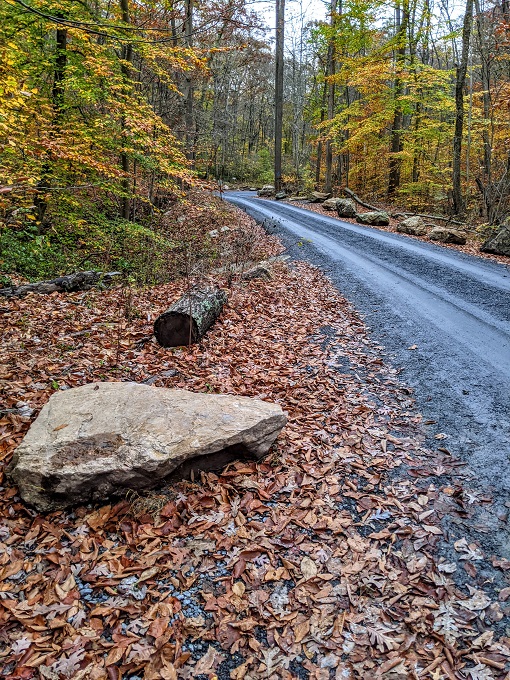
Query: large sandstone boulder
(447, 235)
(330, 203)
(345, 207)
(96, 441)
(267, 190)
(498, 244)
(376, 218)
(318, 197)
(412, 225)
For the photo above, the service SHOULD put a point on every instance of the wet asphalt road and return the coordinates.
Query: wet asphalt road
(455, 308)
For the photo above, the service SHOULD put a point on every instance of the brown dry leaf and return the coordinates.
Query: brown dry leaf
(239, 672)
(239, 588)
(159, 626)
(148, 573)
(209, 662)
(301, 630)
(308, 568)
(114, 655)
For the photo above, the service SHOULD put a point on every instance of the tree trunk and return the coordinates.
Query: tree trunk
(190, 135)
(458, 201)
(127, 56)
(355, 198)
(331, 67)
(485, 59)
(319, 143)
(278, 94)
(57, 101)
(188, 319)
(396, 144)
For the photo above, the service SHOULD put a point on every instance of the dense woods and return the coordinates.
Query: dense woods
(111, 112)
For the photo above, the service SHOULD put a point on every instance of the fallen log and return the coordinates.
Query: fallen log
(62, 284)
(188, 320)
(358, 200)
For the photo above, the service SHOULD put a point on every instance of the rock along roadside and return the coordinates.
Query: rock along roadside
(98, 440)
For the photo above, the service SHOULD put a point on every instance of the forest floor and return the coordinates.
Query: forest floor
(322, 561)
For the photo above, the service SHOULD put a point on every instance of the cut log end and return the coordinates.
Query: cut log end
(172, 329)
(190, 317)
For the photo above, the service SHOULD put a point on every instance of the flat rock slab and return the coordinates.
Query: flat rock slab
(330, 203)
(412, 225)
(447, 235)
(96, 441)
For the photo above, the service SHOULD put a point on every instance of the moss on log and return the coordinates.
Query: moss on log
(189, 319)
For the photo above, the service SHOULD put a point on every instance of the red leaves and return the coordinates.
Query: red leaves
(321, 557)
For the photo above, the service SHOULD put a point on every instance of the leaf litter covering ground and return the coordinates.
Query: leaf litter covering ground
(319, 562)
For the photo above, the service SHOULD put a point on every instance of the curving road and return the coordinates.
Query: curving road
(455, 308)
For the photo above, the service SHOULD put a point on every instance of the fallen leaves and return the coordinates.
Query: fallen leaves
(320, 559)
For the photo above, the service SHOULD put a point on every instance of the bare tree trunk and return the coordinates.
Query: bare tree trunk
(458, 201)
(57, 101)
(485, 58)
(319, 143)
(190, 136)
(328, 181)
(127, 57)
(396, 144)
(278, 120)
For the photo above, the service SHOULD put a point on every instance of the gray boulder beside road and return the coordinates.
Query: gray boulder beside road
(412, 225)
(96, 441)
(447, 235)
(375, 218)
(345, 207)
(499, 244)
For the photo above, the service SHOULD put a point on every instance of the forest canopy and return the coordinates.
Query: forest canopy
(111, 112)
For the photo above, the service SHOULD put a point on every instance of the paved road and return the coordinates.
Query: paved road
(454, 307)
